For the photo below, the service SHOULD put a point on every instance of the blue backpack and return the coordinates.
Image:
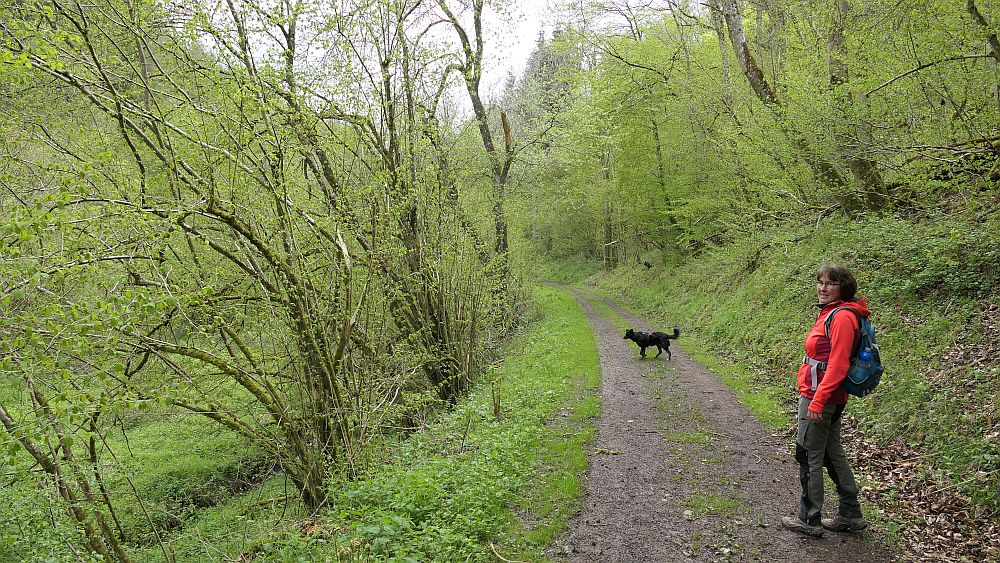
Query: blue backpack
(866, 362)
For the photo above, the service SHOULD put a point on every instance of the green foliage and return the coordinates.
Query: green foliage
(666, 147)
(445, 492)
(178, 465)
(187, 226)
(449, 489)
(27, 532)
(182, 465)
(266, 522)
(947, 259)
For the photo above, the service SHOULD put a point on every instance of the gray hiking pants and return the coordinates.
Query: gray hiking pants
(817, 446)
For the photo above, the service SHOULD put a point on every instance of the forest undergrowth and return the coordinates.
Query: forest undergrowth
(499, 473)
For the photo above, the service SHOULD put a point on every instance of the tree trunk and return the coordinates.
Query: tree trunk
(752, 71)
(609, 247)
(500, 162)
(991, 40)
(825, 171)
(661, 172)
(873, 194)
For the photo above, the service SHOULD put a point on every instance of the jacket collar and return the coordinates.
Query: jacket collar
(860, 305)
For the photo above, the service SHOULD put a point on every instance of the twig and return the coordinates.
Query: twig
(954, 485)
(921, 67)
(826, 213)
(468, 429)
(500, 557)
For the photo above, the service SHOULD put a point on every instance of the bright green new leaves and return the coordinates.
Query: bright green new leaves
(197, 219)
(663, 147)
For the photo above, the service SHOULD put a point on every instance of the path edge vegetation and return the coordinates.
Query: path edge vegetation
(499, 475)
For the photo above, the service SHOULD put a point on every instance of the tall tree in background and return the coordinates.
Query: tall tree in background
(470, 66)
(855, 150)
(822, 168)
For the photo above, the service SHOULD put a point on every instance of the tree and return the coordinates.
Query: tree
(228, 234)
(470, 66)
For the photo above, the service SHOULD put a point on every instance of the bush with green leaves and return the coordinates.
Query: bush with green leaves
(448, 491)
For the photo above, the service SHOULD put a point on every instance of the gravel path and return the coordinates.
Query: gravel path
(681, 471)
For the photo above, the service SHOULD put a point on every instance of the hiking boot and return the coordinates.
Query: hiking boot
(844, 524)
(801, 527)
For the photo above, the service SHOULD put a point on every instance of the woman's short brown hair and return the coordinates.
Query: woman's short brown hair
(841, 275)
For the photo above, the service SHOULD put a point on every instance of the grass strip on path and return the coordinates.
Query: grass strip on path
(764, 401)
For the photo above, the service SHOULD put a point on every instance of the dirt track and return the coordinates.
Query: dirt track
(681, 471)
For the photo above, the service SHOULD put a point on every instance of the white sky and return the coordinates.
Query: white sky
(509, 43)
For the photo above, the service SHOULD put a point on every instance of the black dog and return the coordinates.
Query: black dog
(645, 340)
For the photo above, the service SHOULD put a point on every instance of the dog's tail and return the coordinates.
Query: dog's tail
(676, 334)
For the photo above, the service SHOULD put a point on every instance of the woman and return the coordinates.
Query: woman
(821, 407)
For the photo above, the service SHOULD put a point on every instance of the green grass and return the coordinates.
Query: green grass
(181, 465)
(265, 521)
(708, 504)
(464, 487)
(553, 494)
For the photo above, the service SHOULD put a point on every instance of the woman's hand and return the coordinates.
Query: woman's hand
(814, 416)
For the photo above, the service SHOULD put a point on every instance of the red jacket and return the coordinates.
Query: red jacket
(836, 351)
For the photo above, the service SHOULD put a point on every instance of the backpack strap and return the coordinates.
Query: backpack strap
(814, 367)
(857, 336)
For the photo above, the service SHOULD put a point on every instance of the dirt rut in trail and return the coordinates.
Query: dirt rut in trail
(681, 471)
